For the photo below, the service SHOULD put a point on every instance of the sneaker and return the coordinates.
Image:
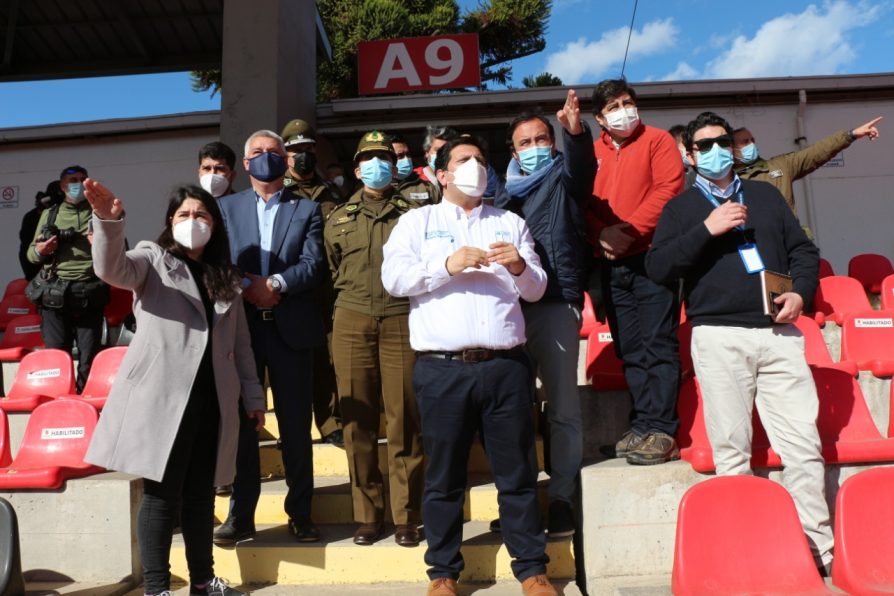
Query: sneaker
(629, 441)
(216, 587)
(560, 521)
(336, 437)
(656, 448)
(228, 534)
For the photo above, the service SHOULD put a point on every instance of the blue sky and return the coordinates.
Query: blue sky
(672, 40)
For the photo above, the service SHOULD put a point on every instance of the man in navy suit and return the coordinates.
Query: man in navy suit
(276, 242)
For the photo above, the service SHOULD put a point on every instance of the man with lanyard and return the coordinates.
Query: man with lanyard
(465, 266)
(717, 237)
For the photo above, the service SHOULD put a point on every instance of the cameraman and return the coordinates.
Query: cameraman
(70, 296)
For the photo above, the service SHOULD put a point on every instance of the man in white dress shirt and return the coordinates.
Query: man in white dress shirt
(465, 265)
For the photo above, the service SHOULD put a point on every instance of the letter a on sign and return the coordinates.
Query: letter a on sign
(418, 64)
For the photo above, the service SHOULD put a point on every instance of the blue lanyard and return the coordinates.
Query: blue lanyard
(713, 200)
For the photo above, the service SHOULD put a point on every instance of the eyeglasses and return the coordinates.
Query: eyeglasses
(705, 145)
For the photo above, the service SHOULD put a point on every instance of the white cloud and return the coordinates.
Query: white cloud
(593, 59)
(812, 42)
(683, 72)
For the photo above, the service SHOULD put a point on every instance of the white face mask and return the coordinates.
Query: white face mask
(191, 233)
(339, 180)
(623, 121)
(215, 184)
(470, 178)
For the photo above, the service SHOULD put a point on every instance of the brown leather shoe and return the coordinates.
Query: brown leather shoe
(367, 534)
(407, 535)
(443, 586)
(538, 585)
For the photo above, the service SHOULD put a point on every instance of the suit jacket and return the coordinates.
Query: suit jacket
(296, 253)
(142, 415)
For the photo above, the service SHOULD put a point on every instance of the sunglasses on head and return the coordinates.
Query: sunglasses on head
(705, 145)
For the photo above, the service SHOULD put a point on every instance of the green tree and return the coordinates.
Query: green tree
(507, 29)
(544, 79)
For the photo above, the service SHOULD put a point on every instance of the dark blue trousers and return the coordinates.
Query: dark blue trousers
(291, 379)
(643, 317)
(456, 399)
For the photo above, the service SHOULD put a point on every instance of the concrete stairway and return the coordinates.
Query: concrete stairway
(274, 557)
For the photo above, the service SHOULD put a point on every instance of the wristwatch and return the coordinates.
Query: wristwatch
(276, 284)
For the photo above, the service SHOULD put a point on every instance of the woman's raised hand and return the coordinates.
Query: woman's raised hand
(103, 201)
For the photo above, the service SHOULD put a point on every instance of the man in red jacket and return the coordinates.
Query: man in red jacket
(639, 170)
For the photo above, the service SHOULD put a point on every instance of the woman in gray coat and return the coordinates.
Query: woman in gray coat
(172, 415)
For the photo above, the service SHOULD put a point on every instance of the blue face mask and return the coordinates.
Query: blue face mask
(267, 167)
(375, 173)
(534, 158)
(715, 163)
(76, 191)
(749, 153)
(404, 167)
(431, 160)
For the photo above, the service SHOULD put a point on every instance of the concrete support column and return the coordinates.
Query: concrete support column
(269, 68)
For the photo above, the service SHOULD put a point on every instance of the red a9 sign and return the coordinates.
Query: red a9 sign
(418, 63)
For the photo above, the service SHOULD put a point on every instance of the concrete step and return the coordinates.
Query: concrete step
(330, 460)
(273, 556)
(332, 501)
(500, 588)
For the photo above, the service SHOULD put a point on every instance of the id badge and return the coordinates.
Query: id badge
(751, 258)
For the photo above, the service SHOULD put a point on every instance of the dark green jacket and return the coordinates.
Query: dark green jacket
(73, 260)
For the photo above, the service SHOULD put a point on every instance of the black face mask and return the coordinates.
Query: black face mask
(305, 163)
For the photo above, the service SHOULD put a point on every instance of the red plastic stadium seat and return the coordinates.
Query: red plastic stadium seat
(14, 306)
(588, 316)
(604, 368)
(120, 305)
(815, 349)
(42, 376)
(5, 455)
(846, 429)
(825, 269)
(888, 293)
(870, 269)
(102, 375)
(16, 286)
(836, 296)
(864, 533)
(741, 535)
(22, 336)
(56, 439)
(867, 338)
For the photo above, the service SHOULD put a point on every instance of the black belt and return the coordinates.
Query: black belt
(265, 314)
(474, 355)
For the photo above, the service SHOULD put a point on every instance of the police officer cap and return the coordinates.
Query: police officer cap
(297, 132)
(375, 141)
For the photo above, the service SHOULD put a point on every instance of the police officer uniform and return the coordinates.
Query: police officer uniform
(311, 186)
(373, 360)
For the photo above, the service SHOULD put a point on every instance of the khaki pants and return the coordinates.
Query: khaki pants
(738, 368)
(374, 364)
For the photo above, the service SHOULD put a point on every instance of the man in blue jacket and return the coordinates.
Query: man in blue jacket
(545, 187)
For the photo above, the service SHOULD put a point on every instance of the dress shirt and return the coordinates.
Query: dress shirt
(712, 189)
(476, 308)
(266, 219)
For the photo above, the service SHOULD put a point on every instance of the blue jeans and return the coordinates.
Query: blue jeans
(643, 317)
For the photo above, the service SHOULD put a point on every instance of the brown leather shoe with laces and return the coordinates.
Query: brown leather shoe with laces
(538, 585)
(443, 586)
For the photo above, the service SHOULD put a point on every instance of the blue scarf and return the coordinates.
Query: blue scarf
(520, 186)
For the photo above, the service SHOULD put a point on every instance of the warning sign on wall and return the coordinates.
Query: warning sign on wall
(9, 197)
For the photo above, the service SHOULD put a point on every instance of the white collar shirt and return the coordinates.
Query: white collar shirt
(477, 308)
